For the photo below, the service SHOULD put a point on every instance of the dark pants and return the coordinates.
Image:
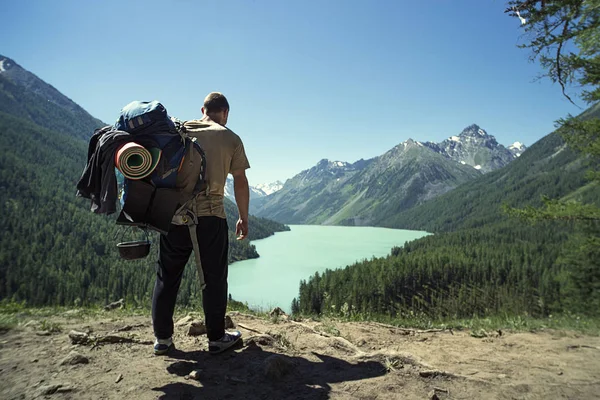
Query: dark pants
(174, 253)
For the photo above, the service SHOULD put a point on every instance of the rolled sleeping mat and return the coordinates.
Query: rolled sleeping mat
(135, 161)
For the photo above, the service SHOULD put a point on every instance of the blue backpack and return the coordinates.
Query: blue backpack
(148, 172)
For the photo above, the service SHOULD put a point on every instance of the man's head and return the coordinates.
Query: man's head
(216, 107)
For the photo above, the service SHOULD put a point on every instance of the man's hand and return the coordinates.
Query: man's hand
(241, 229)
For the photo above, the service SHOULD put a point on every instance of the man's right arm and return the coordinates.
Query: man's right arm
(242, 199)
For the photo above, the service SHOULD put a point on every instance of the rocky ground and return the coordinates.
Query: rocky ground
(111, 358)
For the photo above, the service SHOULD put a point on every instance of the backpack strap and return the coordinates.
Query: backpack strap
(188, 217)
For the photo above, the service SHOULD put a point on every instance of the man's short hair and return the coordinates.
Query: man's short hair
(215, 102)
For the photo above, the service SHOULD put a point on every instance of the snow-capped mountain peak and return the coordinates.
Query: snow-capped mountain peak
(331, 165)
(269, 188)
(4, 64)
(477, 148)
(517, 148)
(260, 190)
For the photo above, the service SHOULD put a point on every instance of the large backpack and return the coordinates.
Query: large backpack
(151, 199)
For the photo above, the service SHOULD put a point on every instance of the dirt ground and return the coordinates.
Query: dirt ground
(295, 360)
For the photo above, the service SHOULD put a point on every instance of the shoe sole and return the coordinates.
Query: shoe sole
(163, 352)
(225, 348)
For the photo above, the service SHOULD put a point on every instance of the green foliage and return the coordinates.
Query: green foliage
(581, 259)
(563, 36)
(556, 210)
(475, 272)
(554, 25)
(50, 326)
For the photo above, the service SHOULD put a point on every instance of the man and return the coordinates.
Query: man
(224, 154)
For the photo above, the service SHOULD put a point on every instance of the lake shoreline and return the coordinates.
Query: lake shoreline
(286, 258)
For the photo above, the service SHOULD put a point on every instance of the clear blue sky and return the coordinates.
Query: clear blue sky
(306, 80)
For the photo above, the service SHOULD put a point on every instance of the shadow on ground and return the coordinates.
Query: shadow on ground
(255, 373)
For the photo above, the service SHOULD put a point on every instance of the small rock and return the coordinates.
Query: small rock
(195, 375)
(74, 358)
(35, 360)
(184, 321)
(79, 337)
(502, 376)
(119, 378)
(262, 340)
(197, 328)
(277, 366)
(43, 333)
(560, 372)
(229, 322)
(433, 395)
(277, 312)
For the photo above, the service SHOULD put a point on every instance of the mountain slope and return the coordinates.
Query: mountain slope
(366, 192)
(547, 168)
(24, 95)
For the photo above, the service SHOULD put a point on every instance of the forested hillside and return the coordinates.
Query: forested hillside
(486, 263)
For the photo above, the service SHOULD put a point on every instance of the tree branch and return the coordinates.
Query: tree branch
(558, 66)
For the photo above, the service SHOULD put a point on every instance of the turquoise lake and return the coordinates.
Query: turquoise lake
(286, 258)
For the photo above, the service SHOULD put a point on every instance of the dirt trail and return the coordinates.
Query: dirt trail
(289, 360)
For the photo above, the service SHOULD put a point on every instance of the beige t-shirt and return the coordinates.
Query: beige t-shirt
(224, 153)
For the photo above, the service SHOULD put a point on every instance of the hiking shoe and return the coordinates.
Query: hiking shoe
(228, 340)
(162, 346)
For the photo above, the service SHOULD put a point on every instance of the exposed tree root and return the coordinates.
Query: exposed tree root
(84, 338)
(127, 328)
(341, 340)
(582, 346)
(250, 329)
(408, 331)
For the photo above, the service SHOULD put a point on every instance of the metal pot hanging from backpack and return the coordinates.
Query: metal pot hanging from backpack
(135, 250)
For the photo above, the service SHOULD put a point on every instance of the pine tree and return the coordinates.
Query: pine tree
(565, 39)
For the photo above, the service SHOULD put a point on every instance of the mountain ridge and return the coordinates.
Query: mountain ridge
(547, 168)
(21, 89)
(367, 191)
